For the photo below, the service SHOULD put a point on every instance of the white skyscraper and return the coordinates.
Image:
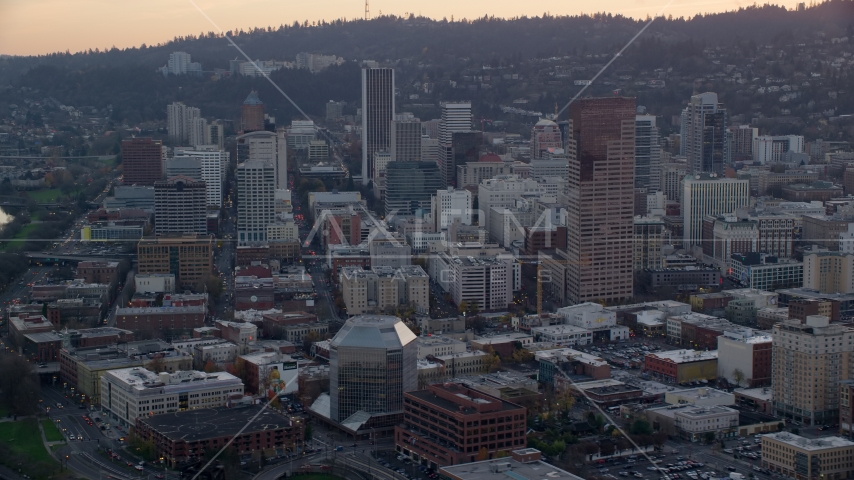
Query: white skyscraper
(647, 153)
(456, 117)
(266, 146)
(377, 115)
(180, 121)
(709, 194)
(451, 205)
(211, 162)
(256, 198)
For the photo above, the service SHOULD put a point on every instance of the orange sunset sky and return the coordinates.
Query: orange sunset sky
(30, 27)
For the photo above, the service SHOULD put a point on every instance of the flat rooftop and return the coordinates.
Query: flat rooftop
(809, 444)
(486, 470)
(761, 393)
(201, 424)
(685, 356)
(438, 402)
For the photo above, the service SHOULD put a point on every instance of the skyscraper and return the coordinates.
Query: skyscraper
(256, 197)
(704, 134)
(647, 154)
(266, 147)
(377, 115)
(544, 135)
(456, 117)
(405, 138)
(211, 168)
(181, 120)
(141, 161)
(709, 194)
(180, 207)
(600, 207)
(252, 113)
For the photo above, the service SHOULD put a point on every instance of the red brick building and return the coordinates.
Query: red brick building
(450, 424)
(160, 318)
(98, 337)
(142, 161)
(537, 239)
(247, 254)
(273, 323)
(270, 433)
(98, 272)
(678, 366)
(42, 347)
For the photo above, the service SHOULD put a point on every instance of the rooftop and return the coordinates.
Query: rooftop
(159, 310)
(502, 468)
(685, 356)
(761, 393)
(373, 331)
(808, 444)
(200, 424)
(568, 354)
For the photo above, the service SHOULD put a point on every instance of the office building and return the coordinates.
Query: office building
(141, 161)
(647, 153)
(709, 194)
(545, 134)
(672, 175)
(131, 393)
(704, 134)
(456, 118)
(255, 200)
(405, 138)
(181, 120)
(180, 207)
(524, 464)
(744, 357)
(334, 110)
(372, 364)
(477, 274)
(252, 113)
(741, 142)
(600, 228)
(802, 458)
(449, 206)
(426, 434)
(318, 151)
(158, 319)
(410, 186)
(553, 163)
(649, 234)
(809, 359)
(377, 115)
(210, 163)
(771, 149)
(300, 134)
(189, 258)
(503, 192)
(266, 147)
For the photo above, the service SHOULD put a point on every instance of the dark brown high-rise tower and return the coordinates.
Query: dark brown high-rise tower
(601, 200)
(142, 161)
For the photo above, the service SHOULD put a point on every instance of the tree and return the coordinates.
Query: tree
(738, 376)
(19, 385)
(641, 426)
(491, 361)
(462, 307)
(211, 367)
(483, 454)
(156, 364)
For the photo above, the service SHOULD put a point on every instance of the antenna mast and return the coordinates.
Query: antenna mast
(367, 11)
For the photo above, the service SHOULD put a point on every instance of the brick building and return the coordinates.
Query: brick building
(161, 318)
(801, 308)
(449, 424)
(679, 366)
(142, 161)
(98, 272)
(42, 347)
(189, 258)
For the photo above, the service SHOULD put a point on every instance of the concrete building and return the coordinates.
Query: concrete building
(709, 194)
(160, 318)
(373, 291)
(766, 272)
(558, 365)
(599, 238)
(802, 458)
(545, 134)
(179, 207)
(267, 147)
(405, 143)
(744, 358)
(189, 258)
(695, 423)
(700, 397)
(377, 114)
(256, 186)
(437, 346)
(503, 344)
(741, 141)
(647, 154)
(130, 393)
(212, 163)
(456, 118)
(771, 149)
(472, 174)
(477, 274)
(410, 186)
(649, 236)
(526, 464)
(451, 205)
(567, 335)
(154, 283)
(180, 63)
(829, 272)
(180, 120)
(425, 435)
(141, 161)
(809, 359)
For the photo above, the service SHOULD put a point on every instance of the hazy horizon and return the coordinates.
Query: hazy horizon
(37, 27)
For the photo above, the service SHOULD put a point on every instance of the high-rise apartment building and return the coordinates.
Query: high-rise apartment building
(600, 191)
(809, 360)
(648, 242)
(180, 63)
(704, 134)
(256, 188)
(647, 154)
(334, 110)
(672, 174)
(544, 135)
(771, 149)
(252, 113)
(456, 118)
(451, 205)
(410, 186)
(405, 138)
(709, 194)
(829, 272)
(180, 207)
(741, 141)
(142, 161)
(181, 120)
(377, 115)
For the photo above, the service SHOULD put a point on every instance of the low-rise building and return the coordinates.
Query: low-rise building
(437, 346)
(219, 354)
(744, 357)
(759, 399)
(804, 458)
(558, 365)
(608, 392)
(502, 344)
(425, 434)
(766, 272)
(695, 423)
(563, 335)
(680, 366)
(161, 318)
(701, 397)
(523, 464)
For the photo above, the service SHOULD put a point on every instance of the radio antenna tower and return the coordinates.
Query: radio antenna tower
(367, 11)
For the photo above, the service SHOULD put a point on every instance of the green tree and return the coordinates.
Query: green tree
(641, 426)
(738, 376)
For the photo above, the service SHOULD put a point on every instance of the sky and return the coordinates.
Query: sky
(31, 27)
